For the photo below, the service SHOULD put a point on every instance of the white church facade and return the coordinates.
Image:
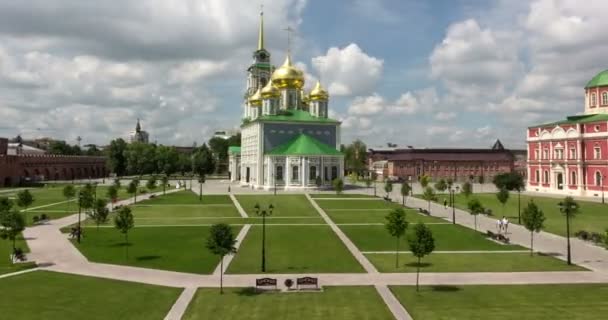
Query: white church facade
(287, 139)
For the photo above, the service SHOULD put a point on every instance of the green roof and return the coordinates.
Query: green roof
(586, 118)
(296, 116)
(601, 79)
(304, 145)
(234, 149)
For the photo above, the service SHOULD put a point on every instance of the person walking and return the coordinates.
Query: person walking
(505, 224)
(499, 225)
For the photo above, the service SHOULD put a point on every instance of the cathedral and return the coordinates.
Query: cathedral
(287, 139)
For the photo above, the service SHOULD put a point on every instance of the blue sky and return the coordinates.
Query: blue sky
(440, 73)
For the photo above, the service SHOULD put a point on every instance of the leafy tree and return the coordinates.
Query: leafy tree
(69, 192)
(184, 163)
(201, 180)
(338, 185)
(164, 180)
(421, 244)
(570, 209)
(92, 150)
(449, 182)
(221, 242)
(62, 148)
(318, 182)
(405, 191)
(481, 179)
(353, 178)
(12, 223)
(100, 212)
(167, 159)
(151, 183)
(388, 188)
(533, 219)
(467, 189)
(117, 160)
(117, 183)
(429, 195)
(475, 208)
(113, 195)
(424, 181)
(24, 200)
(86, 197)
(140, 158)
(396, 226)
(441, 185)
(202, 161)
(503, 196)
(132, 189)
(355, 157)
(512, 181)
(123, 221)
(368, 183)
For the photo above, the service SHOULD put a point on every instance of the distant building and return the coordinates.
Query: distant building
(570, 156)
(456, 164)
(225, 134)
(15, 148)
(139, 135)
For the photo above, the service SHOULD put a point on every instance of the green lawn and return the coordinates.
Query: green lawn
(284, 205)
(371, 203)
(50, 295)
(448, 237)
(343, 195)
(471, 262)
(168, 248)
(6, 248)
(529, 302)
(593, 217)
(376, 216)
(333, 303)
(189, 197)
(294, 249)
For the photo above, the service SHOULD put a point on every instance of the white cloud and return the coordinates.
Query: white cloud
(445, 116)
(369, 105)
(348, 71)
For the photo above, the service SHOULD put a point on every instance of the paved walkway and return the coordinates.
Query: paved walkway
(238, 206)
(228, 258)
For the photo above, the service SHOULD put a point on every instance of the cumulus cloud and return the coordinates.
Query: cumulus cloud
(348, 71)
(445, 116)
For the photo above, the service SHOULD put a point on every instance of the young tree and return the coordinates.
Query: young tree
(429, 195)
(123, 221)
(388, 188)
(24, 200)
(353, 178)
(503, 197)
(421, 244)
(318, 182)
(12, 223)
(475, 208)
(424, 181)
(113, 195)
(117, 183)
(201, 180)
(69, 192)
(396, 226)
(100, 212)
(338, 185)
(405, 191)
(511, 181)
(570, 209)
(221, 242)
(164, 181)
(449, 182)
(151, 183)
(481, 180)
(441, 185)
(533, 219)
(467, 189)
(132, 189)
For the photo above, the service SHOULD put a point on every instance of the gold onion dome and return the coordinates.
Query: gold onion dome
(270, 91)
(256, 99)
(288, 76)
(318, 93)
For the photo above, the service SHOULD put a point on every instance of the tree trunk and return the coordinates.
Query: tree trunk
(222, 275)
(417, 274)
(127, 244)
(531, 243)
(404, 201)
(397, 254)
(475, 222)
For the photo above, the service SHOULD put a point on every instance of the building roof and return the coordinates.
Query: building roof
(295, 116)
(304, 145)
(451, 155)
(234, 149)
(586, 118)
(601, 79)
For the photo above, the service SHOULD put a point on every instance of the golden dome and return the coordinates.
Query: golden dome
(288, 76)
(270, 91)
(256, 99)
(318, 93)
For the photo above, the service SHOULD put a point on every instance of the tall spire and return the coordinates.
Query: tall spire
(138, 126)
(261, 32)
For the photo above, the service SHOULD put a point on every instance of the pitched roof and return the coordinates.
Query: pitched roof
(304, 145)
(585, 118)
(498, 145)
(295, 116)
(234, 149)
(601, 79)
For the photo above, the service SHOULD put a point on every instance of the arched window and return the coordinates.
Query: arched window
(334, 173)
(546, 177)
(573, 178)
(537, 176)
(604, 98)
(295, 173)
(598, 178)
(593, 100)
(279, 175)
(313, 173)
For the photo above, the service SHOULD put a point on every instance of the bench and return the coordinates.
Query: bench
(265, 282)
(424, 211)
(18, 255)
(308, 282)
(498, 237)
(75, 231)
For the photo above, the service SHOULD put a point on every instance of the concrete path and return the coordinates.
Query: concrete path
(180, 306)
(238, 206)
(393, 304)
(12, 274)
(451, 252)
(47, 205)
(227, 259)
(368, 266)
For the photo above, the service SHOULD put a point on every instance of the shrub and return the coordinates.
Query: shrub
(43, 217)
(596, 237)
(153, 196)
(35, 219)
(582, 234)
(288, 283)
(488, 212)
(143, 191)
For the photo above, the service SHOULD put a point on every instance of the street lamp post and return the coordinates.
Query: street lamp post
(452, 200)
(79, 212)
(274, 180)
(602, 181)
(263, 214)
(567, 208)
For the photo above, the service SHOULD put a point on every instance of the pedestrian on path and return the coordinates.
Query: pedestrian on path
(505, 224)
(445, 203)
(499, 225)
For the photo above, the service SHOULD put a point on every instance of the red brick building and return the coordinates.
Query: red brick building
(571, 156)
(455, 164)
(22, 168)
